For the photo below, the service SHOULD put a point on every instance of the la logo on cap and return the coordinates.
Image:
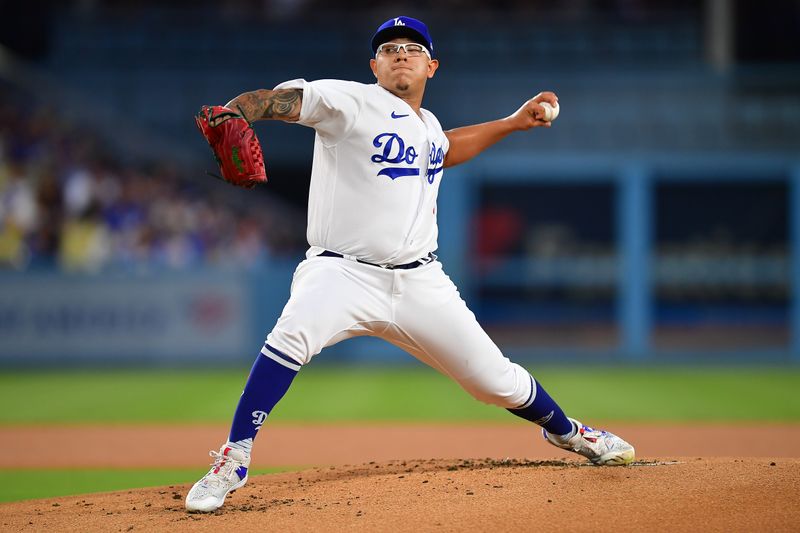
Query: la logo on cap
(398, 22)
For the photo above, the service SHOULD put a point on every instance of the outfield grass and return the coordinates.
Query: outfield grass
(401, 394)
(25, 484)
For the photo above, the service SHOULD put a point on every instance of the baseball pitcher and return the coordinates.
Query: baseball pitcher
(379, 158)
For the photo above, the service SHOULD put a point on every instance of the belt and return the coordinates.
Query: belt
(414, 264)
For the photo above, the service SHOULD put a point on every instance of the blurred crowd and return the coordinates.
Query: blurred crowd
(67, 201)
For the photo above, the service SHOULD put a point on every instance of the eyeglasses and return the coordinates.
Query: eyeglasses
(411, 49)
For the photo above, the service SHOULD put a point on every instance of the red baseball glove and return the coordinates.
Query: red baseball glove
(235, 146)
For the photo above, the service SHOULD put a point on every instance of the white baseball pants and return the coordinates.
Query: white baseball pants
(418, 310)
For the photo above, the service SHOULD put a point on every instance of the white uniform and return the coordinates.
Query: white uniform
(375, 178)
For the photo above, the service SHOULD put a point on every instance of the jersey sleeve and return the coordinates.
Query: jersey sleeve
(445, 143)
(331, 107)
(432, 118)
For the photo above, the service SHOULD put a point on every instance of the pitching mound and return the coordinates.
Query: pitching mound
(674, 494)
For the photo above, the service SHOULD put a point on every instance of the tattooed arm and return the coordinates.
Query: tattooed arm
(469, 141)
(263, 104)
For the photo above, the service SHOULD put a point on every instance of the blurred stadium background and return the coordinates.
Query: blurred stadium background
(657, 221)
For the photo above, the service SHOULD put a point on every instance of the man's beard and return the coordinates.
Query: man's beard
(402, 86)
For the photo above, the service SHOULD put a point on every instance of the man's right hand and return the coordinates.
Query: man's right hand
(531, 114)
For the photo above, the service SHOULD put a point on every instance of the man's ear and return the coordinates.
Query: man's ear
(433, 64)
(374, 66)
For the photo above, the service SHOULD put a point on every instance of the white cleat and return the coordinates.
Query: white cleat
(228, 473)
(600, 447)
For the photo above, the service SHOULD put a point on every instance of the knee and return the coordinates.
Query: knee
(294, 344)
(508, 387)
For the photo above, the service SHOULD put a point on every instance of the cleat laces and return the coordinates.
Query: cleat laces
(223, 465)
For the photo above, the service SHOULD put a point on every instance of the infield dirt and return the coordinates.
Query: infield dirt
(719, 487)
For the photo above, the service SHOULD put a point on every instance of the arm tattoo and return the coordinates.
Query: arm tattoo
(283, 104)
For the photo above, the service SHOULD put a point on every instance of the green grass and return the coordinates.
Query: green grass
(399, 394)
(24, 484)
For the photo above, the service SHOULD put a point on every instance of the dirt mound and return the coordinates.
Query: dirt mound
(676, 494)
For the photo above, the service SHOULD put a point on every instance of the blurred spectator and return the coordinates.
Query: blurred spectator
(18, 213)
(65, 202)
(85, 242)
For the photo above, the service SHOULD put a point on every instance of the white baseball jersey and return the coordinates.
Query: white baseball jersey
(377, 169)
(376, 172)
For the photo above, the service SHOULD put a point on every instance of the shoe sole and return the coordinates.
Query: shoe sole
(616, 458)
(230, 491)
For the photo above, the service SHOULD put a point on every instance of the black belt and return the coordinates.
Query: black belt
(414, 264)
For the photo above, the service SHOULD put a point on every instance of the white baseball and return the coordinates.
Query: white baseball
(550, 112)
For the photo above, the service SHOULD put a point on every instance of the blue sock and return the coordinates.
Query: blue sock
(269, 379)
(544, 411)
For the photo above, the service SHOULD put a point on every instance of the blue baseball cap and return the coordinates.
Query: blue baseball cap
(413, 29)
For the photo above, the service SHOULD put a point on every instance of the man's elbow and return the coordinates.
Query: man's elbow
(450, 159)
